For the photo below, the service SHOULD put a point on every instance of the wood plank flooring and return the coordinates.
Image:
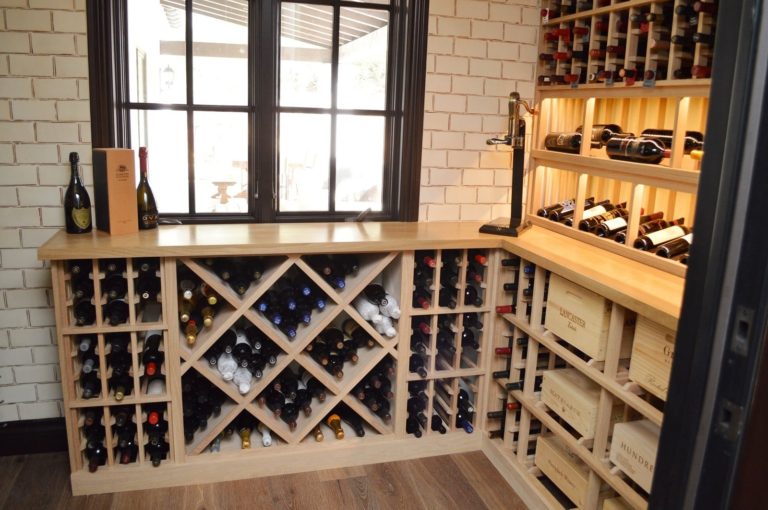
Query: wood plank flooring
(462, 482)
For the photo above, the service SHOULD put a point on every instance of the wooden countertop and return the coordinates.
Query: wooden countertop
(634, 285)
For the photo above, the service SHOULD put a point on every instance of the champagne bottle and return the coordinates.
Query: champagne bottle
(77, 203)
(144, 196)
(317, 433)
(334, 422)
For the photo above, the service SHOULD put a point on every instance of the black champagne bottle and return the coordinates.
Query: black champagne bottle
(77, 203)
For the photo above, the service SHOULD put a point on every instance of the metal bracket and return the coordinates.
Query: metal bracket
(730, 420)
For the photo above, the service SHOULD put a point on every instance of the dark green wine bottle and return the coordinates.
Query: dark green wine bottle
(77, 203)
(144, 196)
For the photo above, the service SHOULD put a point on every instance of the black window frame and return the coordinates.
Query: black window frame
(408, 28)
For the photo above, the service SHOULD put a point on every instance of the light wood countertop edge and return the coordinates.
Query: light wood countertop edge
(648, 291)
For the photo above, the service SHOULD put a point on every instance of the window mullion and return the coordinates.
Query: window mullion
(190, 113)
(334, 104)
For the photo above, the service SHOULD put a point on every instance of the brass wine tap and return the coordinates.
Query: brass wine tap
(513, 137)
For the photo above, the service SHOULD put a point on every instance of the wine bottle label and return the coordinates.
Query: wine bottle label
(615, 224)
(663, 236)
(82, 216)
(688, 238)
(148, 220)
(593, 212)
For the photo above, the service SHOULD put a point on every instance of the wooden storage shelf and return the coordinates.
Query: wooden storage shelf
(661, 88)
(678, 179)
(626, 283)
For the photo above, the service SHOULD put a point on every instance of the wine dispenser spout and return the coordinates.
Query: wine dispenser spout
(513, 137)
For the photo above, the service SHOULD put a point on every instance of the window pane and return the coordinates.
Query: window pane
(306, 35)
(359, 162)
(221, 162)
(164, 133)
(363, 59)
(220, 52)
(156, 51)
(305, 141)
(383, 2)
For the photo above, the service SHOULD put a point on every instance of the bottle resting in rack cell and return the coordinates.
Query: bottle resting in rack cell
(599, 208)
(675, 247)
(654, 239)
(638, 150)
(144, 196)
(694, 140)
(77, 203)
(563, 142)
(601, 133)
(648, 227)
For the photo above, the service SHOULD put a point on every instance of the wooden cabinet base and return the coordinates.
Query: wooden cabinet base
(275, 460)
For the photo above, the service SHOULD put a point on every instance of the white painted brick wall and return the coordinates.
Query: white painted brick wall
(44, 114)
(478, 52)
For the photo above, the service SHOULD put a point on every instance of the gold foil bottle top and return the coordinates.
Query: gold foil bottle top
(245, 437)
(334, 422)
(318, 433)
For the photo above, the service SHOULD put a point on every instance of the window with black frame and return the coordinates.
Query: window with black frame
(266, 111)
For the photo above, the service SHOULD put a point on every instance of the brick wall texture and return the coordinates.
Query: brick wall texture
(479, 51)
(44, 115)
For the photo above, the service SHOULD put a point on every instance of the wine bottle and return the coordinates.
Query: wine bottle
(144, 195)
(80, 267)
(436, 424)
(114, 286)
(590, 224)
(638, 150)
(601, 133)
(654, 239)
(90, 384)
(334, 422)
(648, 227)
(694, 140)
(116, 311)
(417, 364)
(84, 313)
(563, 142)
(368, 310)
(675, 247)
(77, 203)
(152, 357)
(82, 288)
(613, 226)
(472, 296)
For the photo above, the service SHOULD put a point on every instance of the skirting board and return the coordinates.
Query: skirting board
(210, 468)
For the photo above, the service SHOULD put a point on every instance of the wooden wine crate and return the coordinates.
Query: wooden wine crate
(581, 318)
(566, 470)
(616, 503)
(652, 352)
(633, 450)
(575, 399)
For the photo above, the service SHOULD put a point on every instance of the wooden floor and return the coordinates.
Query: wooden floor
(465, 481)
